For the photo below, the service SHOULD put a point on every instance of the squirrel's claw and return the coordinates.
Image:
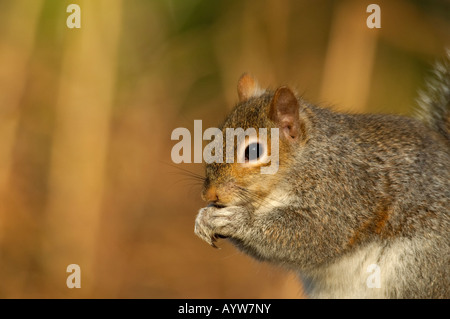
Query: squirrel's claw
(214, 246)
(213, 223)
(203, 229)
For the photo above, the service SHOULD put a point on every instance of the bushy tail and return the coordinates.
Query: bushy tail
(434, 101)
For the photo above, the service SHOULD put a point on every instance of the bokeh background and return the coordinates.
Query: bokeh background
(86, 116)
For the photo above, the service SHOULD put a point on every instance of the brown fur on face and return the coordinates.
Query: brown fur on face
(230, 178)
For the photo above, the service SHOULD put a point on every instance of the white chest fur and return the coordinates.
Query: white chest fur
(369, 272)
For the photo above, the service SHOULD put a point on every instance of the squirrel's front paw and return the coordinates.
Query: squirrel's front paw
(212, 223)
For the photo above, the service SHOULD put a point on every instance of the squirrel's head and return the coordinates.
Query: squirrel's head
(241, 181)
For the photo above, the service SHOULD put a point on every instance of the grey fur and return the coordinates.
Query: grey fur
(434, 101)
(352, 190)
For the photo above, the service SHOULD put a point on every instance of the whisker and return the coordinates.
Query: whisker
(268, 200)
(246, 196)
(194, 177)
(185, 172)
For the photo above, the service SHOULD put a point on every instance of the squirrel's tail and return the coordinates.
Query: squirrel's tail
(434, 101)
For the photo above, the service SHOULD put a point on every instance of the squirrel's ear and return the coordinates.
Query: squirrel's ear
(284, 111)
(247, 88)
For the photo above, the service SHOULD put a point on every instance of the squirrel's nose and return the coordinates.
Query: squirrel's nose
(210, 194)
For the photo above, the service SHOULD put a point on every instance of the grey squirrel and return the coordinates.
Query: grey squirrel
(352, 190)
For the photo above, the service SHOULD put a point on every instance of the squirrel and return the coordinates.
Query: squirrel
(351, 191)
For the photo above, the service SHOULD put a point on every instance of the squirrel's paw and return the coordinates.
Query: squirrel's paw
(212, 223)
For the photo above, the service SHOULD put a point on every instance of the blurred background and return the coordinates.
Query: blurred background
(86, 116)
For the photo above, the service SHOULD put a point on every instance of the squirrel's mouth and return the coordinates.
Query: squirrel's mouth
(216, 205)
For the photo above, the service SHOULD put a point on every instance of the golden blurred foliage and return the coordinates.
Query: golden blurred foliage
(86, 117)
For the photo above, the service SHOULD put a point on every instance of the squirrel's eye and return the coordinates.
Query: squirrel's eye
(253, 152)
